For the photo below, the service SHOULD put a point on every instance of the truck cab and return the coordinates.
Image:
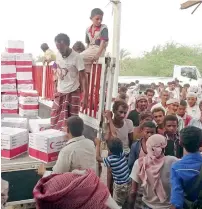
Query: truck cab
(187, 75)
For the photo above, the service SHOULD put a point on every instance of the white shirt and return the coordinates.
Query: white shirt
(196, 122)
(156, 95)
(130, 91)
(122, 134)
(79, 153)
(70, 67)
(131, 103)
(194, 111)
(149, 197)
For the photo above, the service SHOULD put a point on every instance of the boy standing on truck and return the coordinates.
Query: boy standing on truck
(49, 55)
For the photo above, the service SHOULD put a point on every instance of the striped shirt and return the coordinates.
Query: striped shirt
(119, 166)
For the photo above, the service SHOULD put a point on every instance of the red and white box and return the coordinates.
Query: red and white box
(15, 122)
(7, 59)
(15, 46)
(36, 125)
(8, 85)
(25, 85)
(14, 142)
(29, 110)
(24, 59)
(28, 97)
(8, 71)
(46, 145)
(9, 96)
(24, 73)
(9, 107)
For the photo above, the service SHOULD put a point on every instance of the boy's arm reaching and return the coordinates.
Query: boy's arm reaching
(109, 180)
(98, 155)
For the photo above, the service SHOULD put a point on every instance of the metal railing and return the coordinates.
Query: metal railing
(43, 81)
(99, 94)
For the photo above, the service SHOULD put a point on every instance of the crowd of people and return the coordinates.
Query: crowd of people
(153, 139)
(152, 163)
(156, 113)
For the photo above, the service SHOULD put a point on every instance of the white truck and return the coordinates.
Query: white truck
(185, 74)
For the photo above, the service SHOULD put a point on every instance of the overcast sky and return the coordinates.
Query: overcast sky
(143, 25)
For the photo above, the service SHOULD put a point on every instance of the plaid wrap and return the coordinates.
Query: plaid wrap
(71, 190)
(64, 106)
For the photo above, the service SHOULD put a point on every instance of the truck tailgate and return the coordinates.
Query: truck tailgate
(21, 173)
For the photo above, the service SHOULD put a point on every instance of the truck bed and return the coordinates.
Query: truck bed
(21, 173)
(20, 159)
(22, 162)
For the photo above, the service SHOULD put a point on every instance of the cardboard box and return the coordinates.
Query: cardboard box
(9, 97)
(24, 59)
(8, 71)
(36, 125)
(8, 85)
(15, 46)
(14, 142)
(29, 110)
(25, 85)
(46, 145)
(15, 122)
(7, 59)
(9, 107)
(24, 73)
(29, 97)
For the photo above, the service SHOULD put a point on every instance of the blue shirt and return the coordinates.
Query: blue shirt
(183, 175)
(134, 154)
(119, 166)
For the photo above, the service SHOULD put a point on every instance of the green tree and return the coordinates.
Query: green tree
(161, 60)
(124, 53)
